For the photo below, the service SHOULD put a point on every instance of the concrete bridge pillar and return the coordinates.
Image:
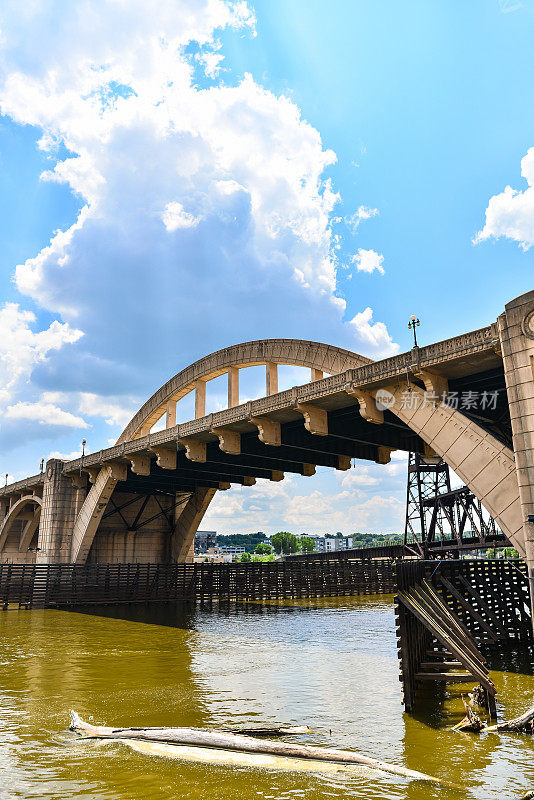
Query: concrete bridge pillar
(516, 333)
(61, 503)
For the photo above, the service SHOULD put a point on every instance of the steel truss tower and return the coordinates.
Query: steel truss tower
(439, 518)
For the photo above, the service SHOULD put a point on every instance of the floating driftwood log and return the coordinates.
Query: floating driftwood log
(524, 723)
(471, 721)
(278, 730)
(222, 740)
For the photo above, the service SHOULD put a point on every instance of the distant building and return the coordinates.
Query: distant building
(231, 548)
(213, 556)
(330, 544)
(204, 540)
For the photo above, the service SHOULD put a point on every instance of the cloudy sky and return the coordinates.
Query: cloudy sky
(179, 177)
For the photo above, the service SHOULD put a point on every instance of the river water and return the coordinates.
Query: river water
(331, 664)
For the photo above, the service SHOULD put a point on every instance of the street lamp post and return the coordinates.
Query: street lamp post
(83, 453)
(413, 323)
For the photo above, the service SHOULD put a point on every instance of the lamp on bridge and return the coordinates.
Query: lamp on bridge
(41, 467)
(84, 442)
(413, 323)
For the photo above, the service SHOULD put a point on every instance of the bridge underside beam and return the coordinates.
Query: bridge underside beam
(347, 428)
(322, 451)
(298, 449)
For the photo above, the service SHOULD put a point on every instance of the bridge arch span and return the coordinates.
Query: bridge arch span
(13, 514)
(293, 352)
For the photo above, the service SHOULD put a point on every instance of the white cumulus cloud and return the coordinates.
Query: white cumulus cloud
(21, 348)
(510, 214)
(233, 171)
(205, 207)
(363, 213)
(113, 412)
(368, 261)
(45, 414)
(374, 334)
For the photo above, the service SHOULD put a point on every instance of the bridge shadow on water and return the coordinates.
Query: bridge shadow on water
(185, 613)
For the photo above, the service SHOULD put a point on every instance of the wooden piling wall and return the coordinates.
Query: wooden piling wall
(52, 585)
(489, 599)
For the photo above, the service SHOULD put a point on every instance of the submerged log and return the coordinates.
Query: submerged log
(197, 737)
(524, 723)
(278, 730)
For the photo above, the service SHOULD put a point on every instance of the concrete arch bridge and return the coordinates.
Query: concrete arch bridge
(468, 399)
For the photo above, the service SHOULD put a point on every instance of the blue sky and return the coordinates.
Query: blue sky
(220, 172)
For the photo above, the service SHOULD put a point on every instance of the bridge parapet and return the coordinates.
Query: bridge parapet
(20, 486)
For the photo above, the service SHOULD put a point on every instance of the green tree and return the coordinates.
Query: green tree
(263, 549)
(490, 552)
(245, 557)
(307, 545)
(284, 542)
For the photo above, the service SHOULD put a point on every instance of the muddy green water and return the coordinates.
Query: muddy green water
(330, 664)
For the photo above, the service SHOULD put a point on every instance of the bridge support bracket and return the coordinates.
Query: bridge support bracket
(229, 441)
(140, 464)
(79, 480)
(92, 472)
(315, 418)
(384, 455)
(368, 408)
(118, 470)
(195, 449)
(435, 384)
(165, 457)
(269, 431)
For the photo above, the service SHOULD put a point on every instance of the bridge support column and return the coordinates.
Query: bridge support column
(200, 399)
(516, 333)
(61, 503)
(271, 378)
(233, 387)
(187, 519)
